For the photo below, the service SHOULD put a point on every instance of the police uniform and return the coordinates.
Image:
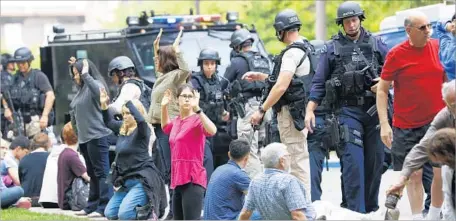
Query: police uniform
(6, 80)
(28, 93)
(212, 102)
(251, 92)
(345, 79)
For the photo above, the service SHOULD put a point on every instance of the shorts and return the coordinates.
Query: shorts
(403, 141)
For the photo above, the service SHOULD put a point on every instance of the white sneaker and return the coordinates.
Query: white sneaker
(80, 213)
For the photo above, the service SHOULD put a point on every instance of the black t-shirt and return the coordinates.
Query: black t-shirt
(31, 172)
(40, 80)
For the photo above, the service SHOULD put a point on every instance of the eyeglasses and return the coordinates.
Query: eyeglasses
(423, 27)
(186, 96)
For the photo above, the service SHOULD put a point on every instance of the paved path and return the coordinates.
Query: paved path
(331, 191)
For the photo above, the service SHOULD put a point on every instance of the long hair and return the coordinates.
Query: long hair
(140, 107)
(93, 71)
(167, 59)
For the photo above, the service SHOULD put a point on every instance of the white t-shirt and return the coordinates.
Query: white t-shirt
(291, 59)
(129, 91)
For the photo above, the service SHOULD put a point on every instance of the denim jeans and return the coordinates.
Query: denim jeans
(10, 196)
(124, 202)
(96, 156)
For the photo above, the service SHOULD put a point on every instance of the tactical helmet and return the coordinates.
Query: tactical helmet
(349, 9)
(286, 19)
(6, 58)
(120, 63)
(240, 36)
(22, 54)
(208, 54)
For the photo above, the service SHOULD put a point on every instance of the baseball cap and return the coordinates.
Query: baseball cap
(20, 141)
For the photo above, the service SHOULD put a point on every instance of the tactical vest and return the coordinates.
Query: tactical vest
(257, 63)
(6, 80)
(299, 88)
(211, 97)
(353, 75)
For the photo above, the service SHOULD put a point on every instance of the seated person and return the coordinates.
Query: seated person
(442, 150)
(10, 163)
(278, 195)
(32, 166)
(9, 196)
(228, 185)
(49, 195)
(69, 166)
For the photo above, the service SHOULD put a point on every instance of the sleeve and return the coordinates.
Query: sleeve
(249, 203)
(242, 181)
(201, 126)
(76, 165)
(43, 83)
(110, 122)
(318, 91)
(128, 92)
(294, 195)
(291, 60)
(418, 156)
(389, 67)
(195, 84)
(167, 129)
(447, 50)
(143, 128)
(382, 49)
(183, 72)
(93, 85)
(10, 163)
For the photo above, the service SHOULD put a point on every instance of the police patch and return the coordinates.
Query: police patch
(324, 49)
(293, 19)
(382, 40)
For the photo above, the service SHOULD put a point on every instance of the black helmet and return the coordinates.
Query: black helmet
(208, 54)
(286, 19)
(6, 58)
(349, 9)
(120, 63)
(22, 54)
(240, 36)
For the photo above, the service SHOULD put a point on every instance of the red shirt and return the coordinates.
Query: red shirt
(418, 77)
(187, 138)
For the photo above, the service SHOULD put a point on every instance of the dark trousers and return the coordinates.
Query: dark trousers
(96, 155)
(188, 202)
(362, 158)
(208, 161)
(164, 153)
(317, 154)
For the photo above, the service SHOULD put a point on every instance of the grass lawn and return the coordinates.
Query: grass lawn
(22, 214)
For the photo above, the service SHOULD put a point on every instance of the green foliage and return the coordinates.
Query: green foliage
(262, 14)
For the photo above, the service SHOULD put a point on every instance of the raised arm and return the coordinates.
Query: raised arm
(94, 87)
(110, 122)
(143, 128)
(164, 108)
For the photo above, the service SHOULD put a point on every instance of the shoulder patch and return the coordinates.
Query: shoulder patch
(382, 40)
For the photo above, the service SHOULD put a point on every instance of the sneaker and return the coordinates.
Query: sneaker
(392, 214)
(81, 213)
(95, 215)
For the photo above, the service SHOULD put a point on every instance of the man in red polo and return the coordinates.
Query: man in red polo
(418, 75)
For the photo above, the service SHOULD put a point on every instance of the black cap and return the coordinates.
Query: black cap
(20, 141)
(349, 9)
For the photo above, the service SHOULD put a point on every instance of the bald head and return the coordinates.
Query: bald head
(413, 17)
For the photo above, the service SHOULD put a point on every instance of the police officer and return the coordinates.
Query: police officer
(347, 73)
(243, 59)
(286, 92)
(123, 73)
(211, 87)
(7, 69)
(32, 94)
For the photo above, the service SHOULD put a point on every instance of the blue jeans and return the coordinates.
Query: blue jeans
(10, 196)
(124, 202)
(96, 156)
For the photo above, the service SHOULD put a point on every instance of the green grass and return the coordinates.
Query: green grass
(22, 214)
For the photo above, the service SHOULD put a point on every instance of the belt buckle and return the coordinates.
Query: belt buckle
(360, 100)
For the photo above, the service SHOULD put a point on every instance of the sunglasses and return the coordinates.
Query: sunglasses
(424, 27)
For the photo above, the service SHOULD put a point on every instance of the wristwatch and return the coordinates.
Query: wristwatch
(260, 108)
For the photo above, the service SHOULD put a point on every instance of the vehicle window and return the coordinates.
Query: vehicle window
(192, 43)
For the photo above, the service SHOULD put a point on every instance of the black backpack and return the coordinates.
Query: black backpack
(146, 92)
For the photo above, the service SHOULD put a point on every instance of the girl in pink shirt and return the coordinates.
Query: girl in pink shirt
(187, 135)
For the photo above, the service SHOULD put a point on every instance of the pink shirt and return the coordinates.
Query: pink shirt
(187, 139)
